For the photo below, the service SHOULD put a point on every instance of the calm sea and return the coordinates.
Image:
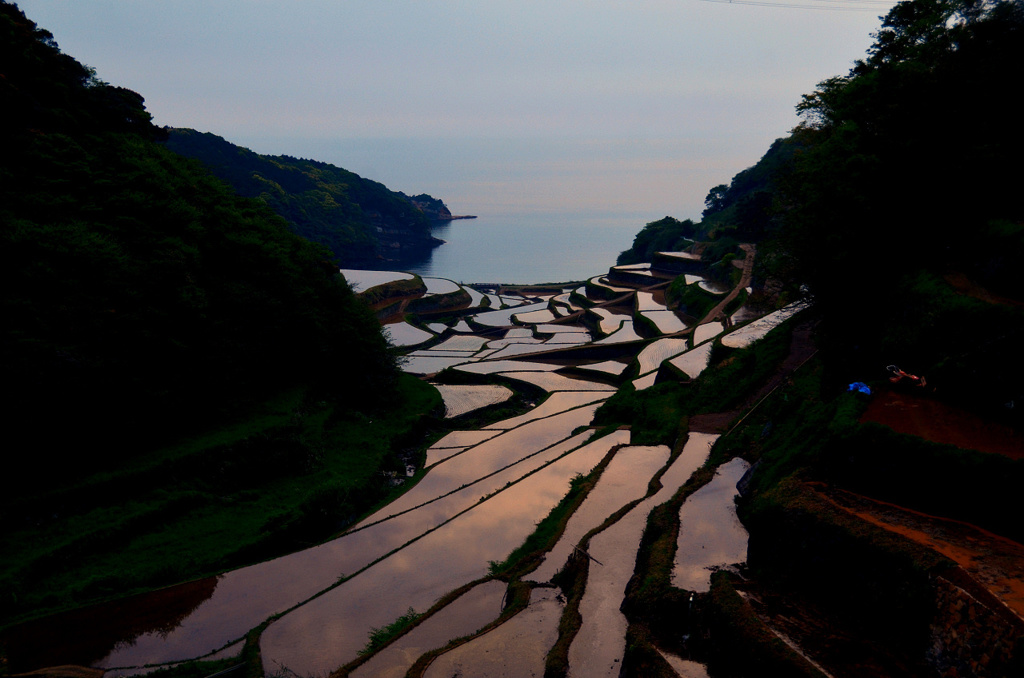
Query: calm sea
(530, 248)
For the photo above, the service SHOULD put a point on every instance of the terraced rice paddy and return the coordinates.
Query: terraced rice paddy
(601, 641)
(461, 399)
(713, 287)
(440, 286)
(711, 535)
(756, 330)
(470, 612)
(600, 281)
(607, 367)
(404, 334)
(504, 316)
(553, 404)
(550, 381)
(654, 354)
(475, 298)
(360, 281)
(623, 481)
(625, 333)
(693, 362)
(702, 333)
(480, 494)
(330, 630)
(610, 320)
(532, 633)
(645, 302)
(666, 321)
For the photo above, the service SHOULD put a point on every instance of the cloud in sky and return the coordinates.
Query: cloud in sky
(295, 76)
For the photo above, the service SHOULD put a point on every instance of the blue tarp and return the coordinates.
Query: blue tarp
(859, 386)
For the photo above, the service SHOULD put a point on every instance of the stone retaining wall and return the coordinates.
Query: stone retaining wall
(971, 637)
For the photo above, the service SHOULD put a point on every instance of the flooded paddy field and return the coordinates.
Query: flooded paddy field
(467, 614)
(478, 496)
(598, 648)
(710, 534)
(330, 630)
(532, 632)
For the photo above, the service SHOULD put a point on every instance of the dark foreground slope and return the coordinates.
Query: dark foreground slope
(359, 220)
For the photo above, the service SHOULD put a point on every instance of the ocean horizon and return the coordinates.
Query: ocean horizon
(530, 248)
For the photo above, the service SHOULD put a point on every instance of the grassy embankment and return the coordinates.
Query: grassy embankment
(292, 473)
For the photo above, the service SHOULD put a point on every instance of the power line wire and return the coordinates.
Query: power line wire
(827, 5)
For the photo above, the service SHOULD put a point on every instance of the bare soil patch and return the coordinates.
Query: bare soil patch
(939, 422)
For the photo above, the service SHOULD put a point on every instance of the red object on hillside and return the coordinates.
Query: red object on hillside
(899, 375)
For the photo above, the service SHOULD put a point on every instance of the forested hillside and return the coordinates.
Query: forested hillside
(901, 180)
(359, 220)
(139, 289)
(894, 208)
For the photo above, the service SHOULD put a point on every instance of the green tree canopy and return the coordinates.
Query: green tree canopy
(138, 289)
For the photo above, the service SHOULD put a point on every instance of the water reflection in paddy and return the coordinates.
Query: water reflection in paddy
(360, 281)
(645, 302)
(440, 286)
(487, 457)
(555, 403)
(492, 366)
(516, 649)
(462, 398)
(567, 338)
(508, 341)
(598, 647)
(646, 381)
(624, 480)
(693, 362)
(404, 334)
(666, 321)
(684, 668)
(610, 320)
(428, 364)
(711, 536)
(244, 598)
(461, 343)
(504, 316)
(520, 349)
(747, 335)
(467, 614)
(328, 631)
(550, 381)
(706, 331)
(541, 316)
(556, 329)
(401, 528)
(608, 367)
(475, 298)
(624, 333)
(653, 354)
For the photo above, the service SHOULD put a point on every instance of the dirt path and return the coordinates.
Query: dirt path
(801, 349)
(718, 312)
(994, 562)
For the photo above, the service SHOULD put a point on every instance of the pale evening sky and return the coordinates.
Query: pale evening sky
(570, 106)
